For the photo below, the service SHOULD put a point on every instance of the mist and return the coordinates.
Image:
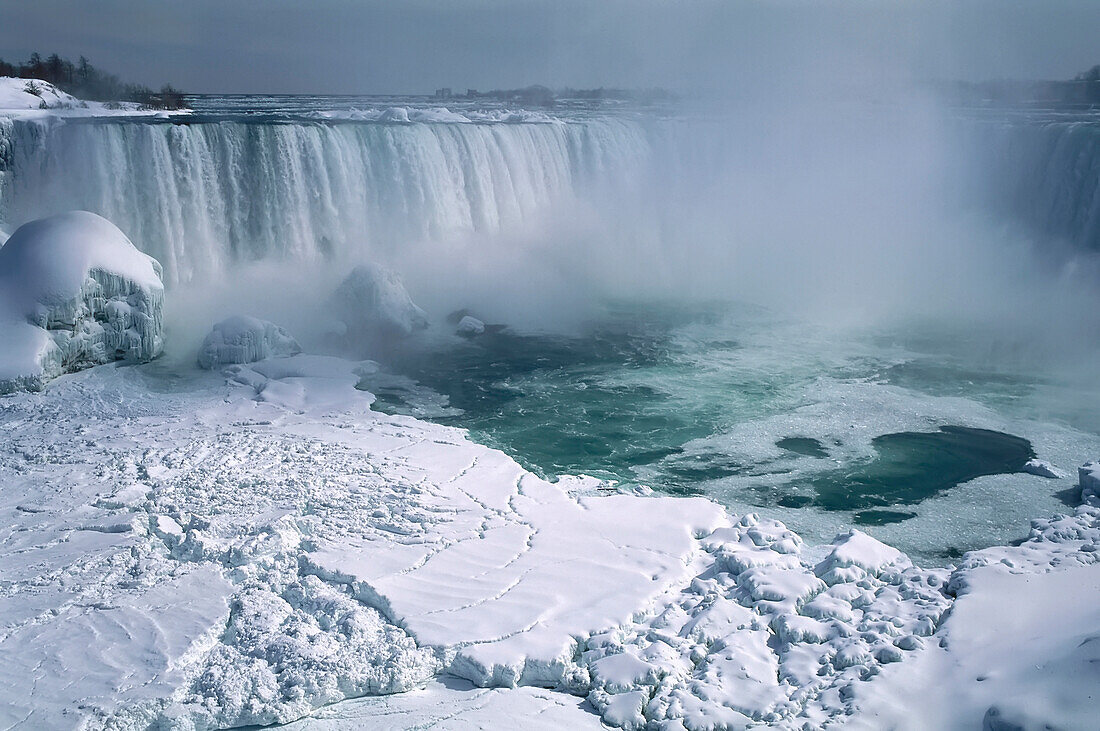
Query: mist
(811, 164)
(850, 215)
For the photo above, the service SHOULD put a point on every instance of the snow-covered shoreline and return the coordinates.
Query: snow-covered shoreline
(208, 550)
(37, 99)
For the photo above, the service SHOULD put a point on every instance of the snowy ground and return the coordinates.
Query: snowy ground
(196, 550)
(26, 98)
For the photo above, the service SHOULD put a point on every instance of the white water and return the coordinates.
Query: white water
(200, 197)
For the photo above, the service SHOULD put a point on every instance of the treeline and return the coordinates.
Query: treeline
(85, 81)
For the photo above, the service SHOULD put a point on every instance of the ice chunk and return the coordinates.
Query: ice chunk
(470, 326)
(1018, 650)
(1089, 476)
(1043, 468)
(242, 339)
(74, 293)
(373, 304)
(398, 115)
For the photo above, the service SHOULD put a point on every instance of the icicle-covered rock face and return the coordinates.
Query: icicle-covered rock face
(74, 293)
(200, 197)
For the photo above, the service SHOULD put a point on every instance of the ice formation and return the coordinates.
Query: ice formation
(242, 339)
(372, 304)
(74, 293)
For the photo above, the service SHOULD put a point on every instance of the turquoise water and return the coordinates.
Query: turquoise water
(825, 429)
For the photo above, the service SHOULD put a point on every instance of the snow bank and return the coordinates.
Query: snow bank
(242, 339)
(1020, 648)
(46, 101)
(74, 293)
(373, 304)
(34, 94)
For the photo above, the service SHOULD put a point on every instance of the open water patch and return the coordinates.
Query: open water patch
(910, 467)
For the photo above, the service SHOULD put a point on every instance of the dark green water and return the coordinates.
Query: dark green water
(910, 467)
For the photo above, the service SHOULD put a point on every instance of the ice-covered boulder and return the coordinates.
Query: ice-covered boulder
(470, 326)
(74, 293)
(372, 303)
(242, 339)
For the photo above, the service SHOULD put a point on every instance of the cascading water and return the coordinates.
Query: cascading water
(1047, 175)
(201, 196)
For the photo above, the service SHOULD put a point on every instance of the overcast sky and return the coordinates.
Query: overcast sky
(415, 46)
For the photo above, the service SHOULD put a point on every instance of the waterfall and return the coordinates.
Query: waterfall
(204, 194)
(201, 196)
(1046, 175)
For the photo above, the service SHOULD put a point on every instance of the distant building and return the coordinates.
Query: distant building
(444, 93)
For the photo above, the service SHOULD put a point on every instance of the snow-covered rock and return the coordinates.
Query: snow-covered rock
(1089, 477)
(74, 293)
(33, 94)
(242, 339)
(1042, 468)
(470, 326)
(372, 303)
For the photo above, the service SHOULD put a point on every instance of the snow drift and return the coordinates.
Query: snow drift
(74, 293)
